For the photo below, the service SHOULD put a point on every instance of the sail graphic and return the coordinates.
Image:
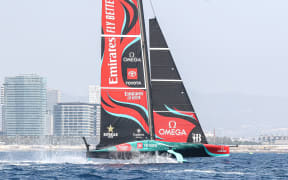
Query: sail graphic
(174, 117)
(124, 114)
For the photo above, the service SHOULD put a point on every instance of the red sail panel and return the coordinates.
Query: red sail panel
(172, 129)
(122, 63)
(120, 17)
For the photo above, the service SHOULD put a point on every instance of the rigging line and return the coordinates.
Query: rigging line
(152, 8)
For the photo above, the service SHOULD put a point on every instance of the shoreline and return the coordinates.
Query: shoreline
(239, 149)
(260, 149)
(5, 148)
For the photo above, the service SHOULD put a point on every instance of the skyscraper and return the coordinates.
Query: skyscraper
(53, 97)
(74, 119)
(25, 105)
(1, 104)
(94, 98)
(94, 94)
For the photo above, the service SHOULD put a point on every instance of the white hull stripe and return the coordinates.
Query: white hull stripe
(167, 80)
(111, 35)
(171, 112)
(121, 88)
(159, 49)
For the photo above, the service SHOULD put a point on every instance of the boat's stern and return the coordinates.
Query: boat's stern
(216, 150)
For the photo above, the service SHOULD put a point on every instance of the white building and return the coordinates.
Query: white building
(75, 119)
(53, 98)
(94, 94)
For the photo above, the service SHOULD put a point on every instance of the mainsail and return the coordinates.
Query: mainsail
(174, 116)
(124, 108)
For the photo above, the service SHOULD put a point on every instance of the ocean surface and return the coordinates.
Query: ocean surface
(74, 165)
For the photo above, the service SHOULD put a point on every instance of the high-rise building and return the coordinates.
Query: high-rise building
(25, 105)
(95, 98)
(75, 119)
(94, 94)
(53, 98)
(1, 105)
(2, 93)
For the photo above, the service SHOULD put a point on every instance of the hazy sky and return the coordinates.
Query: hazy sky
(233, 49)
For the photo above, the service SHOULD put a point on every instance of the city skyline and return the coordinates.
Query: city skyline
(236, 68)
(31, 109)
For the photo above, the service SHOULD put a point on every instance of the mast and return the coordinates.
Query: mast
(146, 67)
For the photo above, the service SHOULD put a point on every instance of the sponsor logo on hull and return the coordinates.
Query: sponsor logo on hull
(139, 145)
(124, 147)
(222, 150)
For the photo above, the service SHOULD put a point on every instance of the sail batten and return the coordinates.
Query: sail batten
(119, 35)
(159, 49)
(167, 80)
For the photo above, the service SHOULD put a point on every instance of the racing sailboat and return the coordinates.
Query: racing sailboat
(144, 105)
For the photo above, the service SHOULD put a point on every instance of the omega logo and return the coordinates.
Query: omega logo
(172, 124)
(131, 54)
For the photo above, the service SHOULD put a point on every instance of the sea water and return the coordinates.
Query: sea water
(74, 165)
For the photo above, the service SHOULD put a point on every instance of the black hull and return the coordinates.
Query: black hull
(150, 147)
(131, 155)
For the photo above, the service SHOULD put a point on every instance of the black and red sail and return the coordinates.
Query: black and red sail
(174, 116)
(124, 115)
(124, 81)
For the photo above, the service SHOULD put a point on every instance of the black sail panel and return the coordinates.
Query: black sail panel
(163, 66)
(174, 117)
(156, 36)
(172, 94)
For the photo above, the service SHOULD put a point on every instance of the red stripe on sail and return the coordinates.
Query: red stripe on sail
(187, 113)
(113, 16)
(172, 129)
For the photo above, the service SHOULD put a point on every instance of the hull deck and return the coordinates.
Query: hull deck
(176, 150)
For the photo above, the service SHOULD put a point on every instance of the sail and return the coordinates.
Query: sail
(124, 115)
(174, 117)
